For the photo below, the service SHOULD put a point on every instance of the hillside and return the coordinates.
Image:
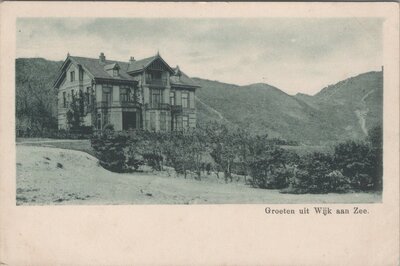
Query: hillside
(340, 111)
(36, 101)
(358, 98)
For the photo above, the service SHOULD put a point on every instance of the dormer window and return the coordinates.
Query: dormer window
(112, 69)
(178, 73)
(115, 72)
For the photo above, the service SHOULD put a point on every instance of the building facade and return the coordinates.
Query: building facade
(137, 94)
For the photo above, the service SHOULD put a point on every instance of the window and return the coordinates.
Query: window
(88, 95)
(72, 94)
(185, 122)
(156, 97)
(106, 97)
(72, 76)
(64, 100)
(115, 72)
(80, 73)
(185, 100)
(152, 121)
(98, 121)
(124, 94)
(163, 119)
(172, 98)
(174, 123)
(153, 75)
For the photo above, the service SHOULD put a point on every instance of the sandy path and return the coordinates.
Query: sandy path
(362, 113)
(58, 176)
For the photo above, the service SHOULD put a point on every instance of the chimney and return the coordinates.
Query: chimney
(131, 60)
(102, 58)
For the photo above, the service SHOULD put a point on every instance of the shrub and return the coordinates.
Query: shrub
(339, 183)
(153, 160)
(109, 151)
(312, 174)
(109, 127)
(357, 161)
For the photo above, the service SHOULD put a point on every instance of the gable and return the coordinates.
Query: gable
(69, 66)
(94, 70)
(158, 65)
(155, 62)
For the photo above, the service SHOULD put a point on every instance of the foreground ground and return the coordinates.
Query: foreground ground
(49, 175)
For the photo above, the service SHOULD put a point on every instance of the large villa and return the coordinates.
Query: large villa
(137, 94)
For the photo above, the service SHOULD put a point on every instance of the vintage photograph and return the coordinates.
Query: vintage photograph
(131, 110)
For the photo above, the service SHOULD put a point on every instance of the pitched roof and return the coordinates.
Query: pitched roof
(97, 70)
(112, 66)
(181, 79)
(140, 64)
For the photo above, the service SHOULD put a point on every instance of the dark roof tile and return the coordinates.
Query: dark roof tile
(140, 64)
(97, 69)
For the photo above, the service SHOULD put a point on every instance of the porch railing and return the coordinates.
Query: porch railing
(176, 108)
(103, 104)
(160, 82)
(130, 104)
(161, 106)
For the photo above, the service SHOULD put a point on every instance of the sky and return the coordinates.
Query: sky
(295, 55)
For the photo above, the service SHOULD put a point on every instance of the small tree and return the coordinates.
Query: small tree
(223, 147)
(109, 149)
(74, 114)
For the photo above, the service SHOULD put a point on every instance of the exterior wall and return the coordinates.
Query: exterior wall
(188, 114)
(153, 121)
(116, 118)
(146, 94)
(178, 97)
(150, 119)
(115, 96)
(191, 99)
(67, 86)
(114, 113)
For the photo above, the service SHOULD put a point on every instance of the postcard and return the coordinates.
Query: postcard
(199, 133)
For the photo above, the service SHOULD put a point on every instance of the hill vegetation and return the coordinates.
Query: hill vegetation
(35, 98)
(336, 113)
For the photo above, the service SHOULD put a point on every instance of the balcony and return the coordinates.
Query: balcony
(126, 104)
(158, 106)
(157, 82)
(103, 104)
(176, 108)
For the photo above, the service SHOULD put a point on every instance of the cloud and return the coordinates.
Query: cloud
(295, 55)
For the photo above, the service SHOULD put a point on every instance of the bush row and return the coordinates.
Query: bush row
(81, 133)
(263, 163)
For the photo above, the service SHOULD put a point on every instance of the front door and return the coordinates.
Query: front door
(128, 120)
